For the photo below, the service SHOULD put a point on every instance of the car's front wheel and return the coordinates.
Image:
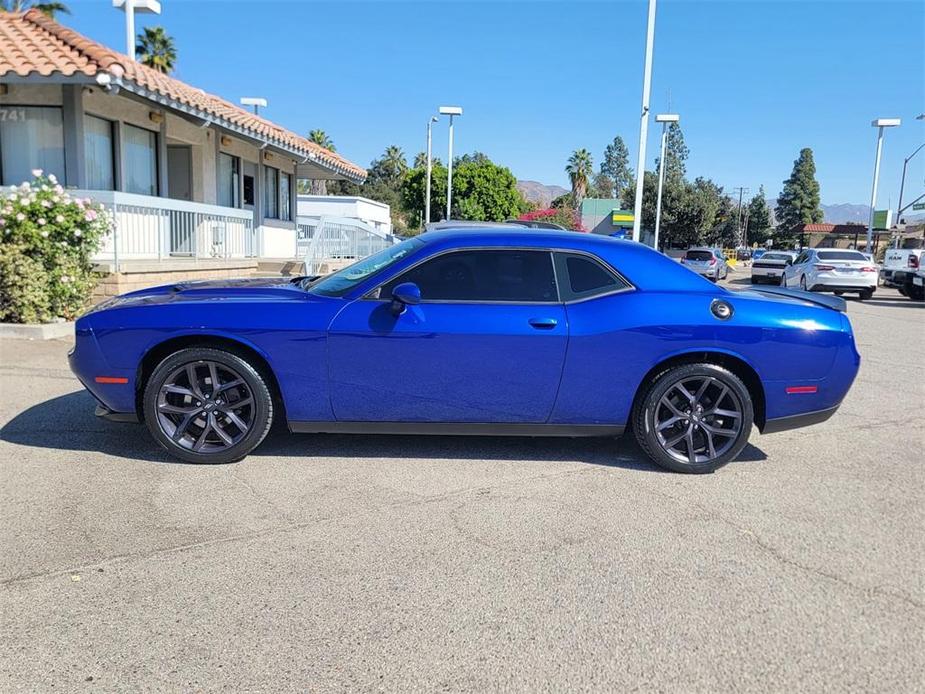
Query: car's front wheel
(694, 418)
(207, 405)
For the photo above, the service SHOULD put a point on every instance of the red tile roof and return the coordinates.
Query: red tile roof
(31, 44)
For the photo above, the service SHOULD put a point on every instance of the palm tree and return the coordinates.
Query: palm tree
(49, 8)
(156, 50)
(320, 137)
(579, 168)
(394, 163)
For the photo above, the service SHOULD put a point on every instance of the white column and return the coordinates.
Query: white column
(661, 181)
(873, 192)
(644, 122)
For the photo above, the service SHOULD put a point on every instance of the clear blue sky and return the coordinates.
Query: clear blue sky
(754, 80)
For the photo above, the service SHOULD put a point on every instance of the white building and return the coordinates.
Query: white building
(375, 214)
(198, 187)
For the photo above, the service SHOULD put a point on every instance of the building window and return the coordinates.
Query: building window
(98, 157)
(139, 160)
(229, 180)
(271, 192)
(285, 192)
(31, 137)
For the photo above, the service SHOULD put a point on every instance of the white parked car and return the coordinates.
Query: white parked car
(769, 267)
(709, 262)
(832, 270)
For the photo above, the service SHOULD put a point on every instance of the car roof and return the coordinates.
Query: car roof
(642, 266)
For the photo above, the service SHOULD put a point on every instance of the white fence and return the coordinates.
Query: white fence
(148, 227)
(322, 239)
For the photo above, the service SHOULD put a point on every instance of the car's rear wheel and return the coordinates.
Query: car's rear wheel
(803, 282)
(783, 280)
(207, 405)
(865, 295)
(694, 418)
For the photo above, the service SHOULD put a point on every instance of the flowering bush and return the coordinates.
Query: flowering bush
(48, 238)
(566, 217)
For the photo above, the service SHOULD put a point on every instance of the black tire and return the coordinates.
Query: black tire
(917, 293)
(755, 280)
(650, 404)
(866, 294)
(251, 394)
(902, 290)
(803, 283)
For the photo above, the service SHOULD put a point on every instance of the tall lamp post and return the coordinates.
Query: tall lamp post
(664, 119)
(902, 182)
(130, 7)
(430, 122)
(644, 122)
(450, 111)
(880, 124)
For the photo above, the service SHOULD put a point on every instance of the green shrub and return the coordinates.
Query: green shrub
(48, 238)
(23, 287)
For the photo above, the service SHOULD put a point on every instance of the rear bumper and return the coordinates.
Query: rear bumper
(795, 421)
(842, 287)
(845, 283)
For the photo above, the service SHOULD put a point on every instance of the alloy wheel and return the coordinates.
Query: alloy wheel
(698, 419)
(205, 407)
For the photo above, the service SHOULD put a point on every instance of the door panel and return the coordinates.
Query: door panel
(447, 362)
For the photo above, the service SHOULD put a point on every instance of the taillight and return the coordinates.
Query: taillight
(825, 268)
(913, 262)
(868, 269)
(712, 261)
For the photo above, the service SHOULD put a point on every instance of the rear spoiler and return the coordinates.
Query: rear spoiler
(836, 303)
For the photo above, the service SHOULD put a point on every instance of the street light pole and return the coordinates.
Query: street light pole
(664, 119)
(430, 122)
(880, 124)
(644, 122)
(450, 111)
(130, 7)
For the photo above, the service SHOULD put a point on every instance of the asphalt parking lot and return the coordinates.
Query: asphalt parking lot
(331, 563)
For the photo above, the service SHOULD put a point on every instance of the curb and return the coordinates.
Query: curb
(36, 331)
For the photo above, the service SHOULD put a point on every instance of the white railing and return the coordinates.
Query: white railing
(148, 228)
(320, 240)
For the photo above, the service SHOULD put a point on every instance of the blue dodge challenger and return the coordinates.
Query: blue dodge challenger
(472, 331)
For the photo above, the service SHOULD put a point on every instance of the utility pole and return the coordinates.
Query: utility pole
(741, 191)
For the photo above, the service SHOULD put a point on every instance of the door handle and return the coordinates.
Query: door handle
(543, 323)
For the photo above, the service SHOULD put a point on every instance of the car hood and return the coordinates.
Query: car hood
(241, 289)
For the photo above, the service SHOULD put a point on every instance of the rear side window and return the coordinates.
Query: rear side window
(483, 275)
(581, 277)
(698, 255)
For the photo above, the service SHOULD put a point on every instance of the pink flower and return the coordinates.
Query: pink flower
(2, 221)
(36, 172)
(90, 216)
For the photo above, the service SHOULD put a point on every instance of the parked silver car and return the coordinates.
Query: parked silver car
(709, 262)
(770, 266)
(832, 270)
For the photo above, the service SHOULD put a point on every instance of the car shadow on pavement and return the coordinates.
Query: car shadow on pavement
(68, 423)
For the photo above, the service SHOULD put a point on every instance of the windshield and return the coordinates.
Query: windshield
(344, 280)
(840, 255)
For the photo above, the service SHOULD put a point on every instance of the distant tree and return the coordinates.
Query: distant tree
(319, 186)
(601, 186)
(676, 153)
(758, 228)
(798, 202)
(474, 158)
(156, 49)
(390, 167)
(563, 201)
(616, 166)
(47, 8)
(579, 168)
(420, 160)
(482, 191)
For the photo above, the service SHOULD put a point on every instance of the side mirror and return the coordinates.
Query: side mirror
(405, 294)
(789, 261)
